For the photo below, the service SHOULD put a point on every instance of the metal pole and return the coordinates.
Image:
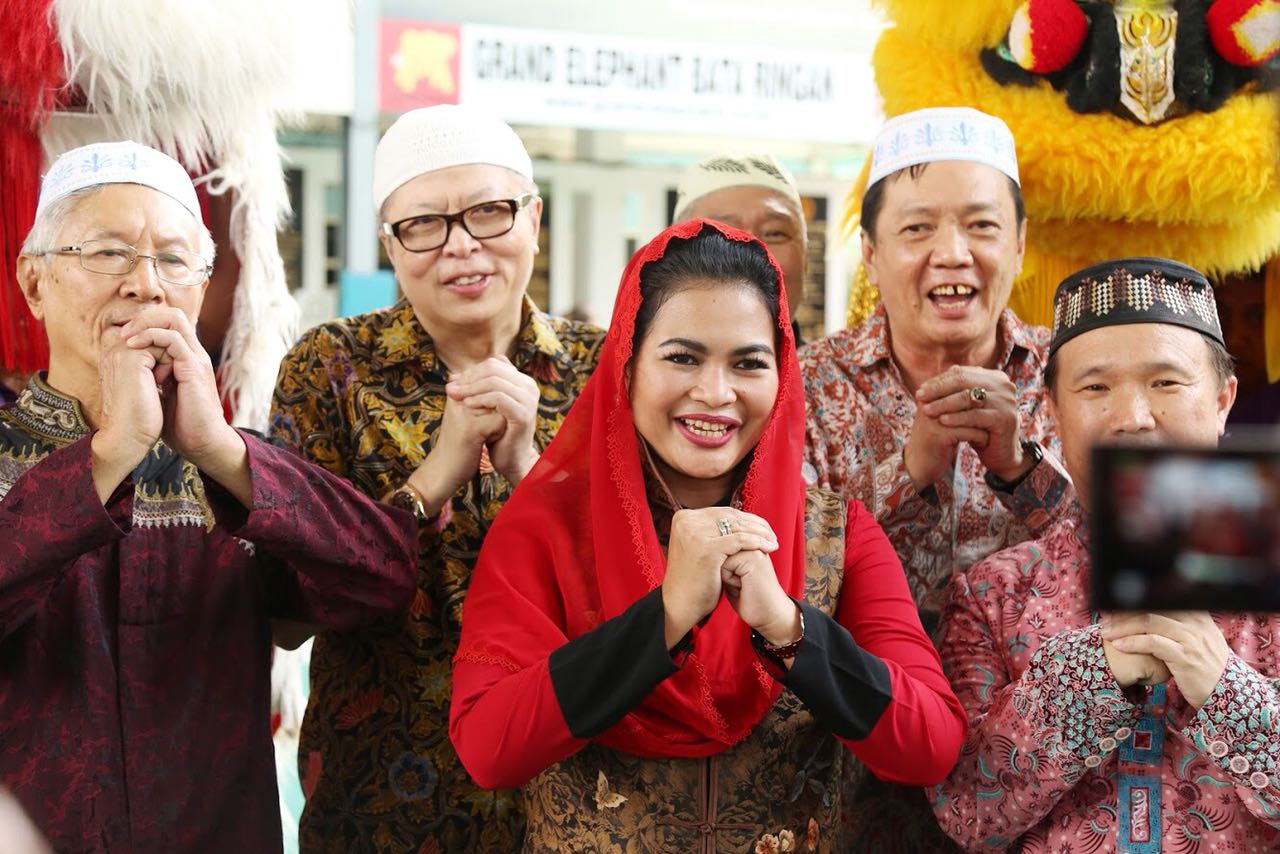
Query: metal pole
(360, 235)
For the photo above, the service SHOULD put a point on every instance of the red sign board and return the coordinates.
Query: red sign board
(418, 64)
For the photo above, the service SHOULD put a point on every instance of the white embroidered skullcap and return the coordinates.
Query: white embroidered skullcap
(726, 170)
(943, 133)
(118, 163)
(431, 138)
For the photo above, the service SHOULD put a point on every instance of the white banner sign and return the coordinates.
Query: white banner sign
(551, 77)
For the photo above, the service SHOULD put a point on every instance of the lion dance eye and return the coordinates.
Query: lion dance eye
(1245, 32)
(1045, 35)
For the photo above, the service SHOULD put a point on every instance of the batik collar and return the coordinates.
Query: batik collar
(400, 338)
(47, 412)
(872, 346)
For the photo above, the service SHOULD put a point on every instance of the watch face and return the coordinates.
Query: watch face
(406, 500)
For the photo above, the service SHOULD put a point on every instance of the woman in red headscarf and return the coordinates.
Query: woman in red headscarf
(669, 640)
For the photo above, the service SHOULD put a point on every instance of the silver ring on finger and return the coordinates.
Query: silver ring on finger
(977, 394)
(724, 527)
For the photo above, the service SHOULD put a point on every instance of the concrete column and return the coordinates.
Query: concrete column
(359, 232)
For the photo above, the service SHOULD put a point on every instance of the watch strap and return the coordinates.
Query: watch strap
(407, 497)
(1032, 451)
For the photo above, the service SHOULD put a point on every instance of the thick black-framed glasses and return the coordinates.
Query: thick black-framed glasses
(431, 231)
(114, 258)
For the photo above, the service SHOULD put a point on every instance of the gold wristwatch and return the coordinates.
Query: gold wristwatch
(409, 499)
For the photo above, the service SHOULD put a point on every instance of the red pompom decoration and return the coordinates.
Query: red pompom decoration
(31, 75)
(1045, 35)
(1245, 32)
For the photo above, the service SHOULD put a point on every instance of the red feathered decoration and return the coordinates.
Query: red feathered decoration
(1045, 35)
(31, 72)
(23, 346)
(1245, 32)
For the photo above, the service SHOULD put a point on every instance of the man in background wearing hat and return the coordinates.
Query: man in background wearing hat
(441, 404)
(145, 545)
(756, 193)
(932, 413)
(1138, 732)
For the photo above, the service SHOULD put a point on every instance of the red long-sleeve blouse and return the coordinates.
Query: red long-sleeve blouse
(868, 673)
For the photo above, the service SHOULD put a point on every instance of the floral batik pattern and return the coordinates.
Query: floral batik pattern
(364, 397)
(859, 416)
(1061, 759)
(777, 790)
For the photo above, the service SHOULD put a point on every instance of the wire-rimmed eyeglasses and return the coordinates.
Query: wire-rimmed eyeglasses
(426, 232)
(114, 258)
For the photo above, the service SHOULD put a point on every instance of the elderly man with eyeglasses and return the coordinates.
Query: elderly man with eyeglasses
(146, 545)
(439, 404)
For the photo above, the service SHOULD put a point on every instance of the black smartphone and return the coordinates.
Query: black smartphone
(1175, 529)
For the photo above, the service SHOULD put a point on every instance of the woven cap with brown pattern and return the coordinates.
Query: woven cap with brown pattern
(1134, 290)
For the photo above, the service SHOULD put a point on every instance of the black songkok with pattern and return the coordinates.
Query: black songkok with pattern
(1133, 290)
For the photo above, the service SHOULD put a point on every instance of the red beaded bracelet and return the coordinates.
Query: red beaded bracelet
(780, 653)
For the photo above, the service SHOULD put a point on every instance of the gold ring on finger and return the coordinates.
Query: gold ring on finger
(977, 394)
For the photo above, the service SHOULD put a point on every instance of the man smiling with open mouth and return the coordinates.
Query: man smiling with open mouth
(933, 412)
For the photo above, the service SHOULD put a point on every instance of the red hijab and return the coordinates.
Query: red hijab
(576, 545)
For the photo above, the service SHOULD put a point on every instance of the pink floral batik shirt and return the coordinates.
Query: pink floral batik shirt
(1060, 759)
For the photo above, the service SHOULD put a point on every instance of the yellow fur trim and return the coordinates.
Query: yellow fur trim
(863, 297)
(1205, 167)
(1057, 249)
(853, 203)
(1215, 249)
(1204, 188)
(949, 24)
(1032, 296)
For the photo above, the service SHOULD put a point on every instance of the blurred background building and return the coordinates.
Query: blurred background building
(613, 102)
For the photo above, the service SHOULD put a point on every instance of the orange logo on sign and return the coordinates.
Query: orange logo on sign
(423, 63)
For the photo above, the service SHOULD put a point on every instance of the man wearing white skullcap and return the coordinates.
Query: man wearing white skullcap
(146, 545)
(756, 193)
(933, 412)
(439, 404)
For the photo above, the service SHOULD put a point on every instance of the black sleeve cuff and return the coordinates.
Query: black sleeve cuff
(846, 687)
(600, 676)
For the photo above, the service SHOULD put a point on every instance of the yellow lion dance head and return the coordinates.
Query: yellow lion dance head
(1143, 127)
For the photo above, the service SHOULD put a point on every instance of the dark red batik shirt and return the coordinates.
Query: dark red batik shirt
(135, 644)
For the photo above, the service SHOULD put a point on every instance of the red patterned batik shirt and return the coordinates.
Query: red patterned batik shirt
(135, 636)
(859, 415)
